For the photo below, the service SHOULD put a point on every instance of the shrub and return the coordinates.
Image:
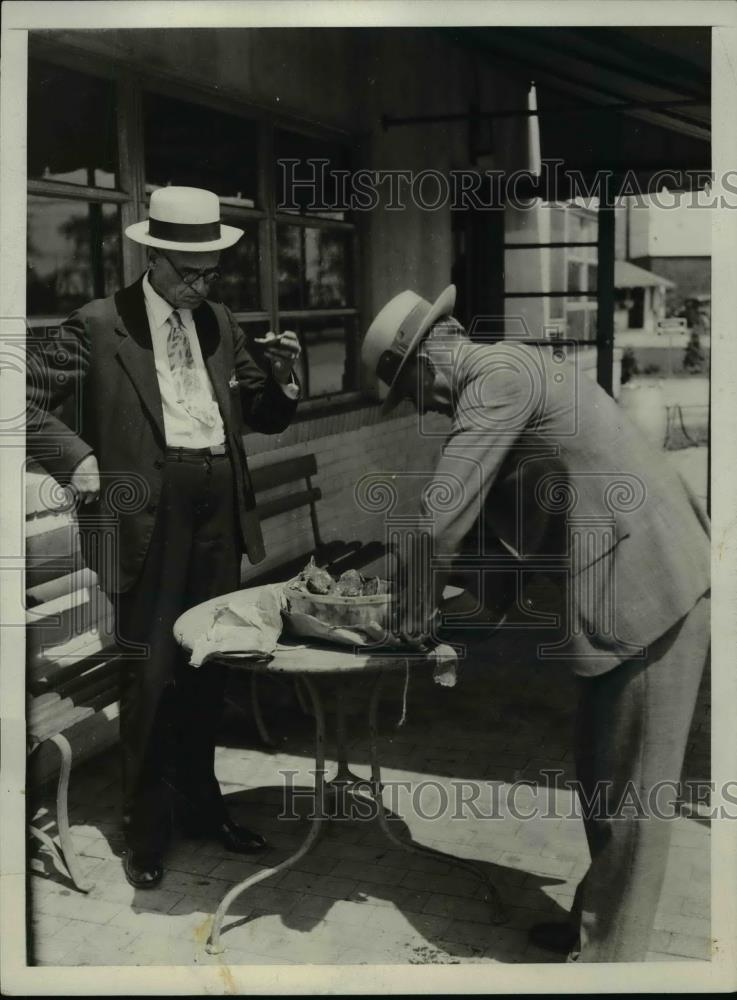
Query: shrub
(651, 369)
(629, 365)
(694, 359)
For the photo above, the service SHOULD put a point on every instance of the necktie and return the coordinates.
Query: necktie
(187, 383)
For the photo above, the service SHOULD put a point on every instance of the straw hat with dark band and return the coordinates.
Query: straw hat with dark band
(184, 218)
(397, 332)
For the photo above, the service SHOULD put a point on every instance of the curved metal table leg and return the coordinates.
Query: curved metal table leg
(48, 842)
(343, 777)
(214, 946)
(498, 910)
(62, 815)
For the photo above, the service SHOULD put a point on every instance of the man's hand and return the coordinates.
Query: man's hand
(282, 351)
(85, 481)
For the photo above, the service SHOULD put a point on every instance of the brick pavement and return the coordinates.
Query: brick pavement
(356, 898)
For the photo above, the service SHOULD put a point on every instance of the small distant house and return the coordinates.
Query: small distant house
(639, 297)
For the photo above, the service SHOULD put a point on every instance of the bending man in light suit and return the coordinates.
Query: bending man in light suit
(166, 388)
(547, 464)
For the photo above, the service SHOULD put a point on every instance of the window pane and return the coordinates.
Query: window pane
(328, 361)
(72, 132)
(556, 307)
(290, 270)
(326, 268)
(538, 226)
(586, 226)
(581, 323)
(198, 146)
(73, 253)
(574, 276)
(546, 270)
(313, 268)
(238, 287)
(308, 183)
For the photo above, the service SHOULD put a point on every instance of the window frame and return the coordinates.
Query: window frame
(131, 197)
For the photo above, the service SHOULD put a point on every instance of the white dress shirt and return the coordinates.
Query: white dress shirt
(181, 428)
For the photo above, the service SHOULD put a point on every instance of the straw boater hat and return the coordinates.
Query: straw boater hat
(397, 332)
(184, 218)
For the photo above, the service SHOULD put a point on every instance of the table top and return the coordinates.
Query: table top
(298, 656)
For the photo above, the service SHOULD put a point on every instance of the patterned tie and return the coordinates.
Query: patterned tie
(189, 388)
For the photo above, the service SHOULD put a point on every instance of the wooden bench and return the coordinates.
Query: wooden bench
(297, 474)
(71, 657)
(72, 660)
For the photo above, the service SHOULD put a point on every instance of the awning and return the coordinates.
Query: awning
(628, 275)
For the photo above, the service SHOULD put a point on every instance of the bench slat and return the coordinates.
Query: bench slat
(360, 558)
(48, 727)
(60, 586)
(291, 470)
(88, 682)
(58, 621)
(292, 501)
(45, 705)
(43, 570)
(76, 654)
(56, 676)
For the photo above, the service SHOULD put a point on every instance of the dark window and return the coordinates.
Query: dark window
(306, 282)
(73, 253)
(574, 276)
(238, 287)
(72, 127)
(328, 361)
(198, 146)
(319, 188)
(314, 268)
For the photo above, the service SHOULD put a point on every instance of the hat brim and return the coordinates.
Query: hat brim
(229, 235)
(442, 306)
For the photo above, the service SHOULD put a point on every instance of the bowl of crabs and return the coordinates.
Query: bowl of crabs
(349, 603)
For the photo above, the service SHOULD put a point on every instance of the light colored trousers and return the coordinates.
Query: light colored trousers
(632, 727)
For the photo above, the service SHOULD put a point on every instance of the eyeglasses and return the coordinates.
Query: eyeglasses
(209, 275)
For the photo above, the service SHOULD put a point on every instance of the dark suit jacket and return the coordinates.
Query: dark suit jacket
(542, 458)
(102, 368)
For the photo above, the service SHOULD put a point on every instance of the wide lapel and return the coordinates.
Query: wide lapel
(136, 351)
(210, 336)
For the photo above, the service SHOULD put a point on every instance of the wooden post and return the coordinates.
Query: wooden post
(605, 298)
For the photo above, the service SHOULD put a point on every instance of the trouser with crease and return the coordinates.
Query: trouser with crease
(169, 710)
(632, 728)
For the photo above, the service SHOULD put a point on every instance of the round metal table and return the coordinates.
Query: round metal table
(307, 661)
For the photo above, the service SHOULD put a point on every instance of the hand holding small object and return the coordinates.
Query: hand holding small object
(282, 350)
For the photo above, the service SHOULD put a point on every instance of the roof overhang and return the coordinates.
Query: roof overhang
(659, 77)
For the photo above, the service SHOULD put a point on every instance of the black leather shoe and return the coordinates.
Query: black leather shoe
(558, 937)
(233, 837)
(142, 874)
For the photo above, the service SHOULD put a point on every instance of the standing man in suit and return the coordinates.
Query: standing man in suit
(541, 460)
(164, 387)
